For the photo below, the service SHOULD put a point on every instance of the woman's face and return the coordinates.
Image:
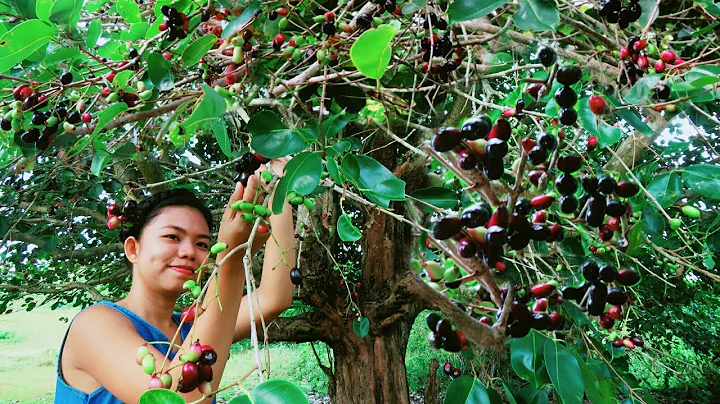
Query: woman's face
(171, 247)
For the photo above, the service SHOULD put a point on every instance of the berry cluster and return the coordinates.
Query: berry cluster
(636, 60)
(600, 290)
(121, 216)
(667, 57)
(565, 97)
(597, 203)
(248, 164)
(522, 319)
(629, 343)
(44, 124)
(448, 57)
(176, 23)
(614, 12)
(443, 336)
(196, 372)
(452, 371)
(391, 7)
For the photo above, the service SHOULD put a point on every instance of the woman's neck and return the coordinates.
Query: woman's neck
(155, 308)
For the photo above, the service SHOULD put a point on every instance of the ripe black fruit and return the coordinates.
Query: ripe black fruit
(569, 163)
(627, 189)
(329, 29)
(66, 78)
(597, 205)
(495, 236)
(43, 142)
(295, 276)
(662, 92)
(589, 184)
(596, 298)
(446, 139)
(272, 15)
(547, 141)
(5, 124)
(615, 208)
(590, 271)
(539, 232)
(132, 53)
(493, 168)
(443, 328)
(568, 204)
(208, 357)
(38, 118)
(546, 56)
(476, 128)
(447, 227)
(537, 155)
(566, 184)
(518, 241)
(496, 148)
(608, 273)
(476, 216)
(466, 160)
(565, 97)
(607, 185)
(522, 206)
(616, 296)
(540, 321)
(569, 75)
(567, 116)
(30, 136)
(432, 320)
(519, 330)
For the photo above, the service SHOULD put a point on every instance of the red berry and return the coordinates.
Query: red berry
(528, 144)
(500, 266)
(509, 112)
(329, 16)
(556, 320)
(163, 27)
(155, 383)
(230, 79)
(628, 343)
(668, 56)
(614, 224)
(282, 11)
(167, 55)
(190, 374)
(639, 45)
(279, 38)
(113, 210)
(540, 305)
(262, 229)
(541, 202)
(110, 77)
(597, 104)
(615, 312)
(106, 91)
(539, 217)
(659, 66)
(592, 248)
(113, 223)
(624, 53)
(592, 142)
(679, 61)
(542, 290)
(643, 62)
(86, 117)
(617, 343)
(25, 92)
(485, 320)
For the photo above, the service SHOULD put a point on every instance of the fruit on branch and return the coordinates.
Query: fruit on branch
(597, 104)
(569, 75)
(627, 277)
(547, 56)
(447, 227)
(66, 78)
(446, 139)
(662, 92)
(476, 128)
(617, 297)
(565, 97)
(476, 215)
(668, 57)
(567, 116)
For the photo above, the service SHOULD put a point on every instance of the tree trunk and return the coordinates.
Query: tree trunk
(372, 369)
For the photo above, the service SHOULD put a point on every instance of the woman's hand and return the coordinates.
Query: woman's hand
(234, 230)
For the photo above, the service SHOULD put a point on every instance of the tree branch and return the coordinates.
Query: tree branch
(306, 327)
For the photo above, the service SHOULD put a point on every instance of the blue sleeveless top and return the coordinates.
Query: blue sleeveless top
(66, 394)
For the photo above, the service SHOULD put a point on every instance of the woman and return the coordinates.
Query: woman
(167, 244)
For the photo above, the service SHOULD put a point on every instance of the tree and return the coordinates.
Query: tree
(438, 150)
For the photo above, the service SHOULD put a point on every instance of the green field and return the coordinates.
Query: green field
(29, 345)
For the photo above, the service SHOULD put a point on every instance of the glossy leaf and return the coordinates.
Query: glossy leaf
(160, 72)
(22, 40)
(533, 395)
(608, 135)
(238, 23)
(371, 52)
(107, 115)
(564, 372)
(121, 79)
(526, 358)
(636, 239)
(346, 229)
(440, 197)
(703, 179)
(649, 12)
(302, 175)
(161, 396)
(333, 125)
(93, 33)
(211, 107)
(593, 388)
(630, 116)
(332, 169)
(361, 326)
(465, 10)
(193, 53)
(537, 15)
(375, 181)
(587, 119)
(666, 189)
(508, 393)
(128, 10)
(274, 391)
(465, 390)
(642, 88)
(272, 138)
(99, 161)
(59, 11)
(220, 131)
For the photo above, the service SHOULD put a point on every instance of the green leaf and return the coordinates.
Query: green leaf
(631, 117)
(465, 390)
(371, 52)
(338, 148)
(465, 10)
(654, 224)
(564, 372)
(642, 88)
(21, 41)
(608, 135)
(537, 15)
(211, 107)
(128, 10)
(136, 31)
(121, 79)
(636, 239)
(271, 138)
(99, 161)
(588, 120)
(108, 115)
(710, 7)
(666, 189)
(160, 72)
(647, 7)
(59, 11)
(193, 53)
(703, 179)
(275, 391)
(375, 181)
(331, 126)
(440, 197)
(65, 55)
(526, 358)
(508, 393)
(346, 229)
(221, 135)
(161, 396)
(302, 175)
(361, 326)
(26, 8)
(236, 24)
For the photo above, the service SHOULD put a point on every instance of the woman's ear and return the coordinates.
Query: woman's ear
(131, 249)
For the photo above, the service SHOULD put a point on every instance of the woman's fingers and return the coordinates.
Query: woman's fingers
(234, 197)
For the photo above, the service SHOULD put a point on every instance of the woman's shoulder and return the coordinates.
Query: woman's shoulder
(101, 314)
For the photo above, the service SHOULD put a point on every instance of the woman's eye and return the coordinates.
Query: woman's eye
(203, 245)
(172, 236)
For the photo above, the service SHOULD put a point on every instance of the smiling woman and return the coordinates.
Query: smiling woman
(167, 247)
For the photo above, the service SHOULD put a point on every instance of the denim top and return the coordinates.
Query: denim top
(66, 394)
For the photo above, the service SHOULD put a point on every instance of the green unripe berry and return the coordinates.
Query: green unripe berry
(148, 364)
(223, 92)
(451, 275)
(196, 290)
(288, 51)
(141, 352)
(296, 200)
(292, 194)
(309, 204)
(691, 212)
(238, 55)
(17, 115)
(260, 210)
(113, 97)
(283, 23)
(235, 89)
(319, 19)
(74, 96)
(675, 223)
(8, 116)
(68, 127)
(377, 20)
(248, 217)
(297, 55)
(299, 40)
(140, 85)
(51, 121)
(17, 125)
(321, 55)
(218, 247)
(266, 176)
(145, 95)
(189, 284)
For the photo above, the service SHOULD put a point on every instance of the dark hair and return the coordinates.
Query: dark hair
(143, 213)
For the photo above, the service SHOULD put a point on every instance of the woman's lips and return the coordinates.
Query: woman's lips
(184, 271)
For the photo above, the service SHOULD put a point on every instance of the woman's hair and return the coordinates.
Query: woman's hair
(143, 213)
